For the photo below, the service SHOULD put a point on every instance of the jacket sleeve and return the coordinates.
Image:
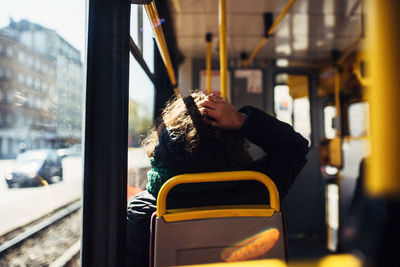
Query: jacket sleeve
(285, 149)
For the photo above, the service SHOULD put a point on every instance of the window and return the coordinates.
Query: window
(29, 61)
(45, 86)
(36, 118)
(21, 78)
(45, 68)
(9, 118)
(141, 100)
(30, 101)
(148, 43)
(9, 51)
(329, 114)
(9, 97)
(21, 57)
(292, 102)
(135, 19)
(38, 65)
(359, 119)
(9, 74)
(29, 81)
(37, 83)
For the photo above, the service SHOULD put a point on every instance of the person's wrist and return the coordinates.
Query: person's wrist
(241, 118)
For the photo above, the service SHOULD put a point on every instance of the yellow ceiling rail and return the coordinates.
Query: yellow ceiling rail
(352, 48)
(281, 16)
(223, 55)
(208, 63)
(271, 30)
(154, 19)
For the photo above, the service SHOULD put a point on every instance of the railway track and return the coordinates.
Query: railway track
(52, 241)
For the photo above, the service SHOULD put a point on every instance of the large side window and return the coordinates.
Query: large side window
(141, 100)
(42, 89)
(292, 102)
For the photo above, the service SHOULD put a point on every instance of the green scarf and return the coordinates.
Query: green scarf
(157, 176)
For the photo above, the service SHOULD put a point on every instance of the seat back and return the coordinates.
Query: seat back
(218, 233)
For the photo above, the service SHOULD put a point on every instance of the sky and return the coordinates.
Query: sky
(66, 17)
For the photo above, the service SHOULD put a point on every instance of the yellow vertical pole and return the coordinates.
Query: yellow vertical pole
(223, 55)
(337, 98)
(208, 63)
(383, 176)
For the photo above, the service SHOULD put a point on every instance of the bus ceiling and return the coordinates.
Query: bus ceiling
(308, 32)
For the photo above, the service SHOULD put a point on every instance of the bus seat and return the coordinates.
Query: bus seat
(218, 233)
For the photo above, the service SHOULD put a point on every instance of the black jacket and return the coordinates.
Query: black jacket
(285, 152)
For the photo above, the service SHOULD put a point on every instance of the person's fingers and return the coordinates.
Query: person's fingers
(213, 113)
(203, 111)
(214, 98)
(208, 103)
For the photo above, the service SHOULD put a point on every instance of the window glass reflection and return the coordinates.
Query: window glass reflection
(41, 104)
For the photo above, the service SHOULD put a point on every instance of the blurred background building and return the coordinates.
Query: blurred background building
(41, 89)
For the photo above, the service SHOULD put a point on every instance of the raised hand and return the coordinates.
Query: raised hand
(218, 112)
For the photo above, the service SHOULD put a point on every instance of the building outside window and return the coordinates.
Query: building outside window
(37, 83)
(21, 78)
(29, 81)
(9, 51)
(21, 57)
(9, 97)
(9, 74)
(29, 62)
(38, 66)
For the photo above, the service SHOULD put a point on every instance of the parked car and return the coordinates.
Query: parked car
(72, 151)
(35, 168)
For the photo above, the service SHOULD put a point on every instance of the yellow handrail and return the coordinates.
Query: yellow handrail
(264, 39)
(260, 44)
(337, 98)
(281, 16)
(217, 177)
(208, 63)
(223, 55)
(153, 17)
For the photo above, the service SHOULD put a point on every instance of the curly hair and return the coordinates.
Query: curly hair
(182, 119)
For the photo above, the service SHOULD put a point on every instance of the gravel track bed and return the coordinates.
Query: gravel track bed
(46, 246)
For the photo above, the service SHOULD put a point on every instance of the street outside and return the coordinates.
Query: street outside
(19, 206)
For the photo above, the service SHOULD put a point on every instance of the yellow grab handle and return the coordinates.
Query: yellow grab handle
(217, 177)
